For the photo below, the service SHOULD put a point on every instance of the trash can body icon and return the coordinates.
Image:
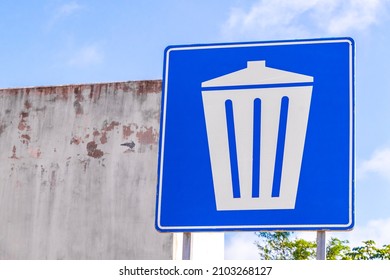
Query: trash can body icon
(256, 121)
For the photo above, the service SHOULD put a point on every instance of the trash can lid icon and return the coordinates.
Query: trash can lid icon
(257, 73)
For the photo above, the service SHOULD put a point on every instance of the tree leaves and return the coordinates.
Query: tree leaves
(282, 246)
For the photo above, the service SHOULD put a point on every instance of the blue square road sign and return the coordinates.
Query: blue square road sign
(257, 136)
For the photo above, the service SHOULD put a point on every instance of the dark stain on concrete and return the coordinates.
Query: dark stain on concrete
(78, 108)
(14, 153)
(148, 86)
(126, 131)
(111, 126)
(2, 128)
(78, 94)
(25, 138)
(65, 92)
(103, 139)
(53, 179)
(147, 136)
(23, 121)
(93, 151)
(27, 105)
(76, 140)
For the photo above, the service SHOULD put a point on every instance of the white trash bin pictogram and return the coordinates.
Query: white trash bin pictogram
(256, 121)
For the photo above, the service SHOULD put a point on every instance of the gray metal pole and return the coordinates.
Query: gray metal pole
(187, 246)
(321, 248)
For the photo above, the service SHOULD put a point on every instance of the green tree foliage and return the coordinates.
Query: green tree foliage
(370, 252)
(283, 246)
(337, 249)
(280, 246)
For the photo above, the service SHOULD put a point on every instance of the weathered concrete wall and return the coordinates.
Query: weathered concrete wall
(68, 188)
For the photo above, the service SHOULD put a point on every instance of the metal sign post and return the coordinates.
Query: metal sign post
(187, 246)
(321, 245)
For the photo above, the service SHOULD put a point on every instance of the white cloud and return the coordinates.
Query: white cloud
(62, 12)
(67, 9)
(355, 15)
(377, 230)
(379, 164)
(240, 246)
(86, 56)
(298, 18)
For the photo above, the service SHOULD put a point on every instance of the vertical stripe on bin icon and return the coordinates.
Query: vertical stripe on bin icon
(256, 120)
(280, 147)
(232, 148)
(256, 147)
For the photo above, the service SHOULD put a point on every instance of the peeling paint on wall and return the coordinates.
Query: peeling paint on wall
(78, 172)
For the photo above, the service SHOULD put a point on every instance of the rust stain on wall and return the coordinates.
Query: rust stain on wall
(126, 131)
(65, 92)
(78, 96)
(147, 136)
(94, 94)
(14, 153)
(76, 140)
(27, 104)
(111, 126)
(147, 87)
(23, 121)
(106, 128)
(25, 138)
(93, 151)
(103, 139)
(78, 108)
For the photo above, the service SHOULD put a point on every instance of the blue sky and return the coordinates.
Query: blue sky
(54, 42)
